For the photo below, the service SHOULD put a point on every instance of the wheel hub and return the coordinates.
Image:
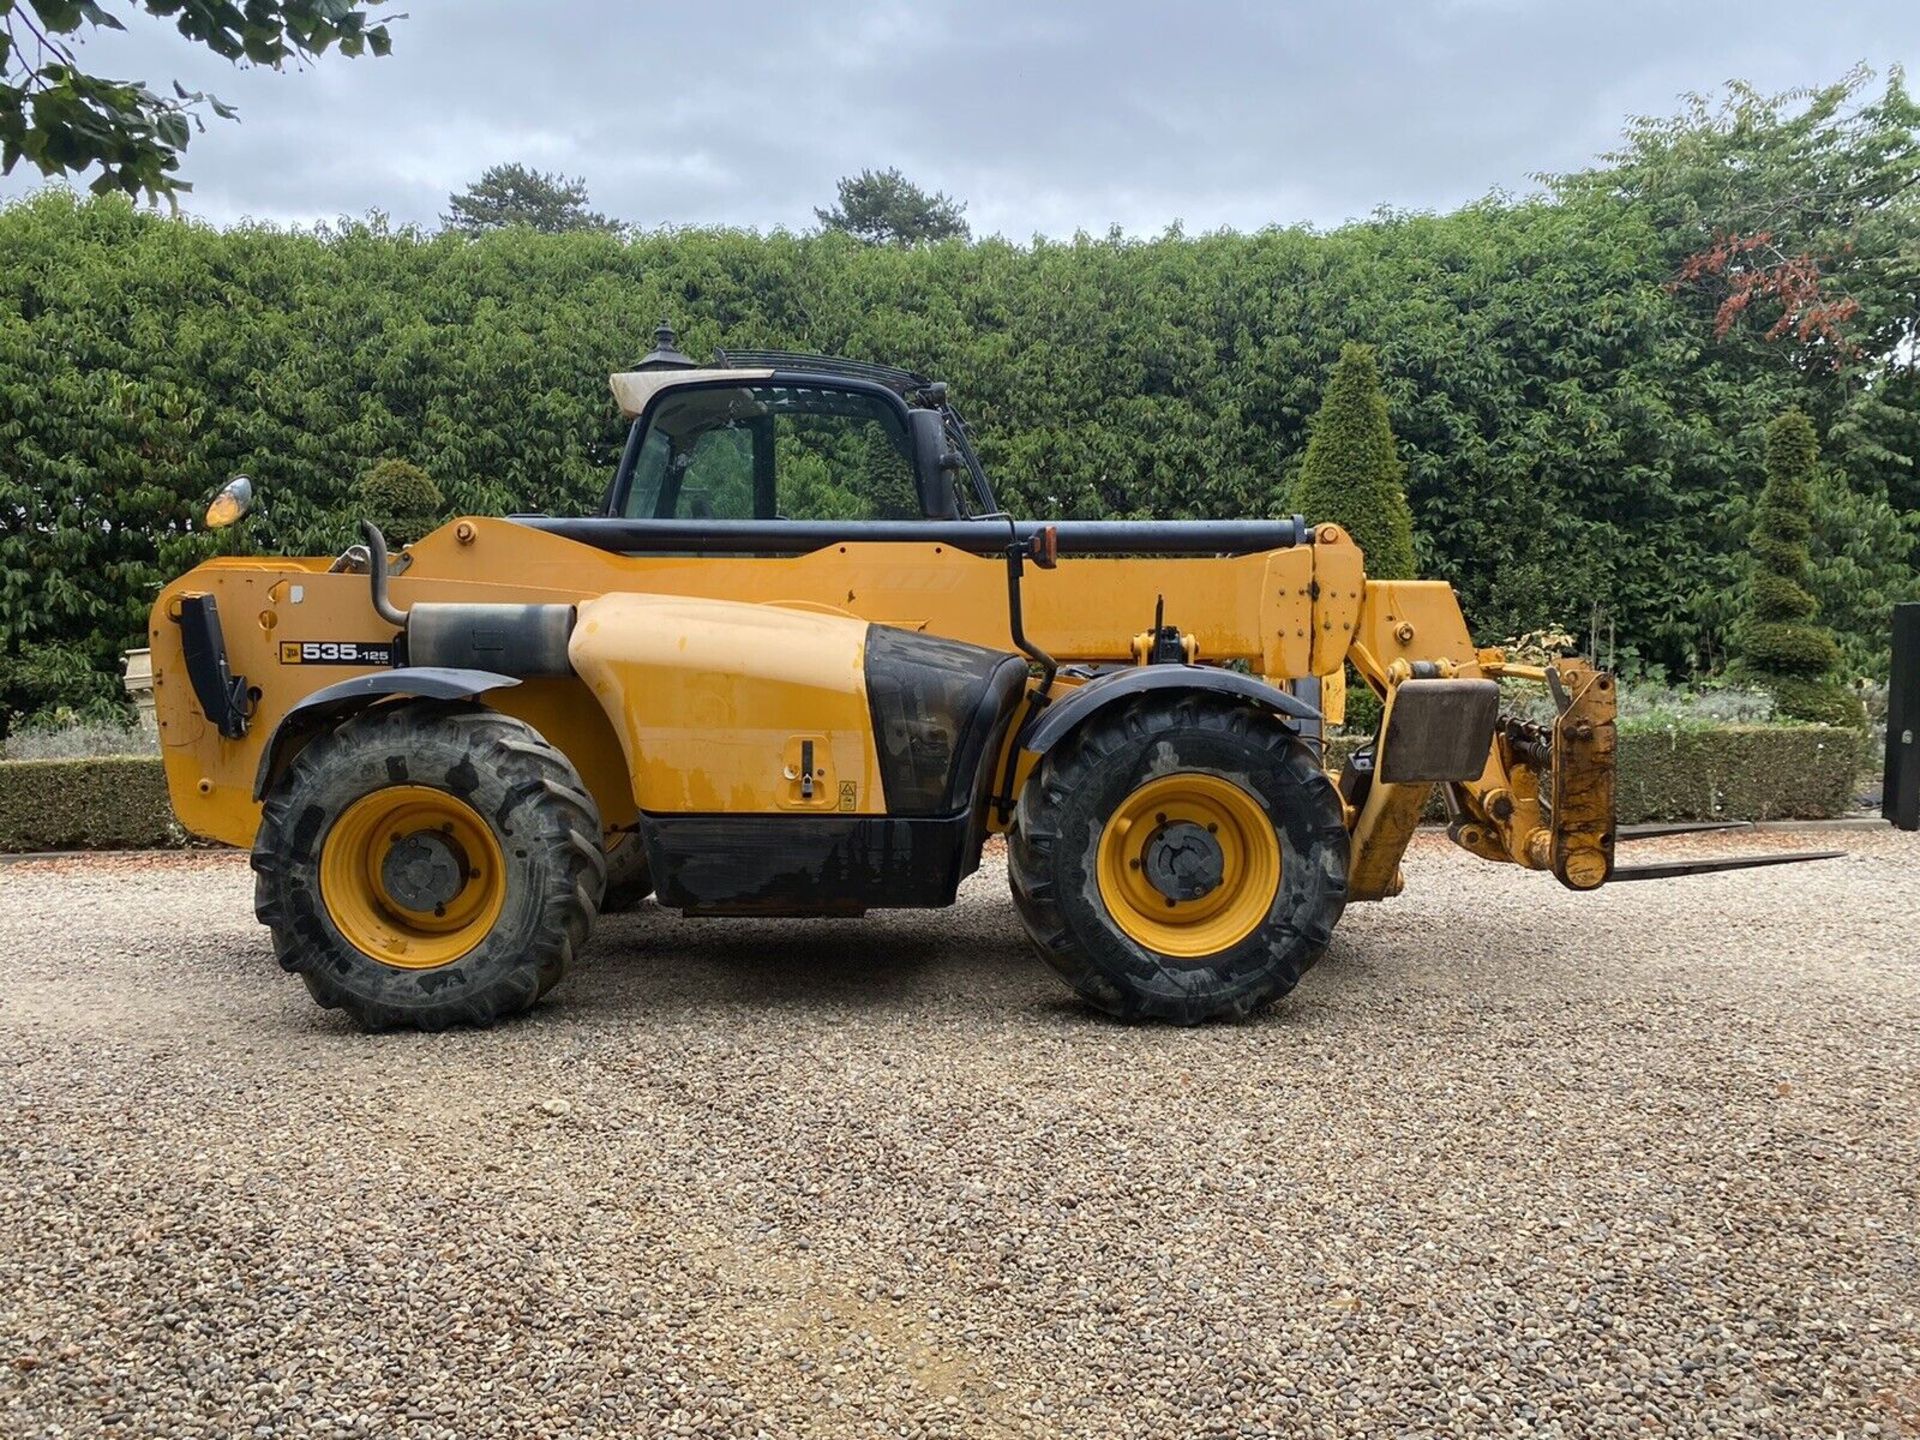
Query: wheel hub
(424, 871)
(412, 876)
(1188, 864)
(1184, 861)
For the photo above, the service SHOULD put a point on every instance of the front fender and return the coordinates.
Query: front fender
(330, 703)
(1066, 714)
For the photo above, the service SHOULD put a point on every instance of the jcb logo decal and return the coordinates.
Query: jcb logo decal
(335, 652)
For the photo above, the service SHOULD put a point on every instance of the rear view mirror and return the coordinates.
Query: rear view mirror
(231, 505)
(934, 464)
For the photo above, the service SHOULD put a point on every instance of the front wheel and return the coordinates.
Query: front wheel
(1179, 859)
(427, 865)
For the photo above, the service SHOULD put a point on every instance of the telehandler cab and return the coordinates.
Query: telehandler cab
(802, 664)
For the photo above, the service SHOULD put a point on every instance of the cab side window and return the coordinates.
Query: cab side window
(767, 452)
(717, 483)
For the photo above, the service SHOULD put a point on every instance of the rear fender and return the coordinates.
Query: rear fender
(326, 707)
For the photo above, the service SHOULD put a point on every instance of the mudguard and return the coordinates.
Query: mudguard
(332, 702)
(1076, 705)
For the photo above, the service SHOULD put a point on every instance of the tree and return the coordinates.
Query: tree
(883, 207)
(62, 119)
(508, 195)
(1352, 474)
(401, 499)
(1790, 224)
(1863, 556)
(57, 683)
(1782, 647)
(1792, 215)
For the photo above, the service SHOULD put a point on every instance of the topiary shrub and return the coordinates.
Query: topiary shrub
(401, 499)
(1780, 646)
(1352, 474)
(1820, 702)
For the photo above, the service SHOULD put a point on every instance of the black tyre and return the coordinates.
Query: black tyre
(629, 880)
(429, 865)
(1179, 858)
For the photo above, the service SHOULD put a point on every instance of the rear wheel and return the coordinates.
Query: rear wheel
(428, 865)
(1180, 858)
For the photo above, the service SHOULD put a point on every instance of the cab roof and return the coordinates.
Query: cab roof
(635, 388)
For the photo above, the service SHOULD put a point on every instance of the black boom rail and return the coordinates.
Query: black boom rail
(975, 537)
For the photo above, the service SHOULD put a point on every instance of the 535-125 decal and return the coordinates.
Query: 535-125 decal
(336, 652)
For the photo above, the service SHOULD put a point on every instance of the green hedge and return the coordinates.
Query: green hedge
(1737, 772)
(1570, 425)
(118, 803)
(1756, 772)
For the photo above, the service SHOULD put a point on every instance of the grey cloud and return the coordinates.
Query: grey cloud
(1044, 118)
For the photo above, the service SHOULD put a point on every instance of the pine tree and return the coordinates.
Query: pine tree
(883, 207)
(1780, 645)
(1352, 474)
(510, 195)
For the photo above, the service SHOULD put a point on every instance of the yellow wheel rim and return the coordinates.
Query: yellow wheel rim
(412, 876)
(1174, 834)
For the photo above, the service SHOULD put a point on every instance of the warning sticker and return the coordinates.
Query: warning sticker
(849, 794)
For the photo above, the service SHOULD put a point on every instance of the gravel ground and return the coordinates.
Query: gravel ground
(1511, 1160)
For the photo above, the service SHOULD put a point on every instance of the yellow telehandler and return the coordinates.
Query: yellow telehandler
(803, 664)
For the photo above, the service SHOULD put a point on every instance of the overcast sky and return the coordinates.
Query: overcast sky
(1043, 118)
